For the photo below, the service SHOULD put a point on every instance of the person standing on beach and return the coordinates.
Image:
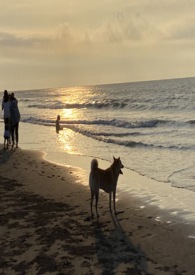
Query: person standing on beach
(6, 110)
(4, 96)
(15, 118)
(6, 133)
(6, 106)
(58, 127)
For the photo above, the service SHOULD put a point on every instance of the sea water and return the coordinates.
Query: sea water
(150, 125)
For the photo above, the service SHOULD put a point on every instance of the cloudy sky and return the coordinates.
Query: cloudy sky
(58, 43)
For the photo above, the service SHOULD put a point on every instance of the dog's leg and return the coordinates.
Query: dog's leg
(110, 198)
(114, 201)
(91, 203)
(96, 203)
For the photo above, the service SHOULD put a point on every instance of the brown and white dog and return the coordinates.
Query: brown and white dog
(105, 180)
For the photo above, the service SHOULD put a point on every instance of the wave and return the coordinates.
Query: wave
(147, 105)
(104, 122)
(191, 122)
(124, 123)
(108, 138)
(151, 123)
(101, 105)
(86, 105)
(111, 136)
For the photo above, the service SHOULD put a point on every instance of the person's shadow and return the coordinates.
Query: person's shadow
(114, 248)
(6, 154)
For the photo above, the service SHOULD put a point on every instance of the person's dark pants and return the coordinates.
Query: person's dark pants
(14, 132)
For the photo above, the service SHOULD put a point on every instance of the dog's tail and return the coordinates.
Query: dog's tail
(94, 165)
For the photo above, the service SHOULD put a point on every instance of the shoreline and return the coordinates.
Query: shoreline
(45, 227)
(178, 203)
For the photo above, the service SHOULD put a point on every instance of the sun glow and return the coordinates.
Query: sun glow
(68, 114)
(72, 98)
(74, 101)
(66, 138)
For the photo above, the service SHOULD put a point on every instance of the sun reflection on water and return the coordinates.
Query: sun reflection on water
(71, 113)
(68, 114)
(67, 136)
(66, 139)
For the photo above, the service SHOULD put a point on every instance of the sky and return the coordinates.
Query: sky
(60, 43)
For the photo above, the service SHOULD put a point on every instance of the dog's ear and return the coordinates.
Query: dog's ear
(113, 158)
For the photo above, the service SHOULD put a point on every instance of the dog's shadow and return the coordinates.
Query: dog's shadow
(115, 251)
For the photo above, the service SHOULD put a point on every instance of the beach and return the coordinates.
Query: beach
(46, 227)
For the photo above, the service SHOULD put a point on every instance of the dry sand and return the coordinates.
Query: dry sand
(45, 226)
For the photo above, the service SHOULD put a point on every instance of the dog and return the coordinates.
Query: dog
(105, 180)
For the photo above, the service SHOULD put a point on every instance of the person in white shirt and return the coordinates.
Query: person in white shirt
(6, 134)
(6, 105)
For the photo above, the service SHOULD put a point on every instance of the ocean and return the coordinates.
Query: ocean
(150, 125)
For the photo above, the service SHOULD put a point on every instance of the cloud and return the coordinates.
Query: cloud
(181, 30)
(126, 29)
(123, 29)
(13, 40)
(118, 30)
(129, 24)
(22, 47)
(96, 41)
